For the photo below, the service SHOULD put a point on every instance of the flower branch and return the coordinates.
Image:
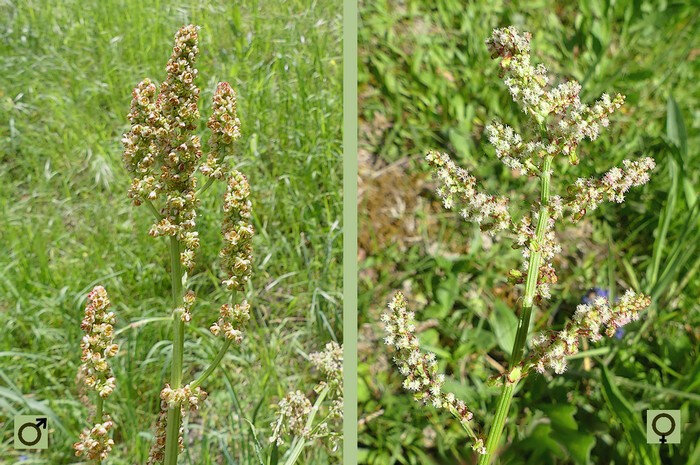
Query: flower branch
(559, 122)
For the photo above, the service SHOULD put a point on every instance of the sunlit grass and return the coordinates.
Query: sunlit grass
(66, 74)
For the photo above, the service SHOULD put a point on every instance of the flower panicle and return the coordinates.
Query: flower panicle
(526, 83)
(225, 130)
(420, 369)
(512, 150)
(577, 121)
(237, 230)
(329, 362)
(294, 409)
(178, 93)
(232, 321)
(187, 303)
(587, 193)
(188, 399)
(458, 189)
(95, 372)
(139, 149)
(156, 453)
(590, 321)
(98, 343)
(94, 443)
(161, 150)
(558, 109)
(292, 414)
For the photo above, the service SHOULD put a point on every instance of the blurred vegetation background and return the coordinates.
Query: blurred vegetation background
(426, 81)
(66, 74)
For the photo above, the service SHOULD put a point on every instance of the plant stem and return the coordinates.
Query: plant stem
(98, 409)
(206, 186)
(98, 415)
(173, 421)
(210, 181)
(533, 272)
(153, 210)
(212, 366)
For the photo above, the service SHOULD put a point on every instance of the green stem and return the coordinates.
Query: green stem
(533, 272)
(98, 414)
(206, 186)
(153, 210)
(212, 366)
(173, 421)
(98, 409)
(210, 181)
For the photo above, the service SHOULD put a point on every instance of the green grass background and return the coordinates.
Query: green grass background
(66, 73)
(426, 82)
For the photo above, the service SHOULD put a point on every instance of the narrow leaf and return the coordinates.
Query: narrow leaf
(631, 422)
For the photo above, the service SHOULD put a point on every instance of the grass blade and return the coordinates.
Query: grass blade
(631, 424)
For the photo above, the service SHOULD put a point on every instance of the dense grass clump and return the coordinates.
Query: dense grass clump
(426, 82)
(66, 74)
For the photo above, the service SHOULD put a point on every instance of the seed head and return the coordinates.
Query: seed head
(237, 230)
(225, 130)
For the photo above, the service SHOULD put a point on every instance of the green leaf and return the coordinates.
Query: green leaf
(565, 432)
(274, 455)
(675, 128)
(631, 422)
(561, 416)
(683, 249)
(446, 294)
(662, 228)
(430, 340)
(504, 325)
(541, 444)
(676, 134)
(363, 392)
(459, 142)
(578, 444)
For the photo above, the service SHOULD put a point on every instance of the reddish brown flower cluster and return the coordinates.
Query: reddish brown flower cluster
(232, 321)
(97, 347)
(237, 254)
(98, 343)
(225, 130)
